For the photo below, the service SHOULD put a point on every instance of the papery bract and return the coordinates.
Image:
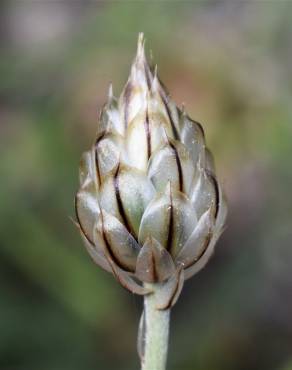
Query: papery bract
(149, 207)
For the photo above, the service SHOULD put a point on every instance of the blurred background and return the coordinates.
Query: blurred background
(230, 63)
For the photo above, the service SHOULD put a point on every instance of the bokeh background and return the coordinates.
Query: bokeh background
(230, 63)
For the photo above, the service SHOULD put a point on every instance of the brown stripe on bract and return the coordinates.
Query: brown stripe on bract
(79, 222)
(216, 187)
(174, 130)
(163, 90)
(170, 225)
(147, 75)
(148, 134)
(154, 272)
(116, 275)
(127, 95)
(203, 250)
(98, 140)
(109, 248)
(179, 167)
(120, 203)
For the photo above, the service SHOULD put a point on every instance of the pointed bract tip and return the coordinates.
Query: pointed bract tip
(141, 39)
(183, 108)
(155, 82)
(140, 46)
(110, 93)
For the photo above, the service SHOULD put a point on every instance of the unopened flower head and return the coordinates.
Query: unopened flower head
(149, 207)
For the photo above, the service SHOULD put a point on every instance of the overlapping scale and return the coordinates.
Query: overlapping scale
(154, 263)
(133, 99)
(96, 253)
(171, 290)
(110, 120)
(137, 142)
(128, 281)
(116, 241)
(198, 242)
(159, 110)
(126, 194)
(216, 231)
(169, 106)
(170, 218)
(108, 150)
(87, 208)
(221, 214)
(171, 163)
(192, 136)
(193, 269)
(87, 167)
(209, 161)
(205, 193)
(149, 208)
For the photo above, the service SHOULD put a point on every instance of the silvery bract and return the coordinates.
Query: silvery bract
(149, 207)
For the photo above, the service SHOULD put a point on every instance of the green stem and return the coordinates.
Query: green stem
(155, 334)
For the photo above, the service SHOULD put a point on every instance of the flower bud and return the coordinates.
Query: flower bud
(149, 207)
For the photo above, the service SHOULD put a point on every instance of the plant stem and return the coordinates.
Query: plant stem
(155, 334)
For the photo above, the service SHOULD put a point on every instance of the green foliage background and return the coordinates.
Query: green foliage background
(230, 63)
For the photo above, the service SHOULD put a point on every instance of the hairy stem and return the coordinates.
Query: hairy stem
(155, 334)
